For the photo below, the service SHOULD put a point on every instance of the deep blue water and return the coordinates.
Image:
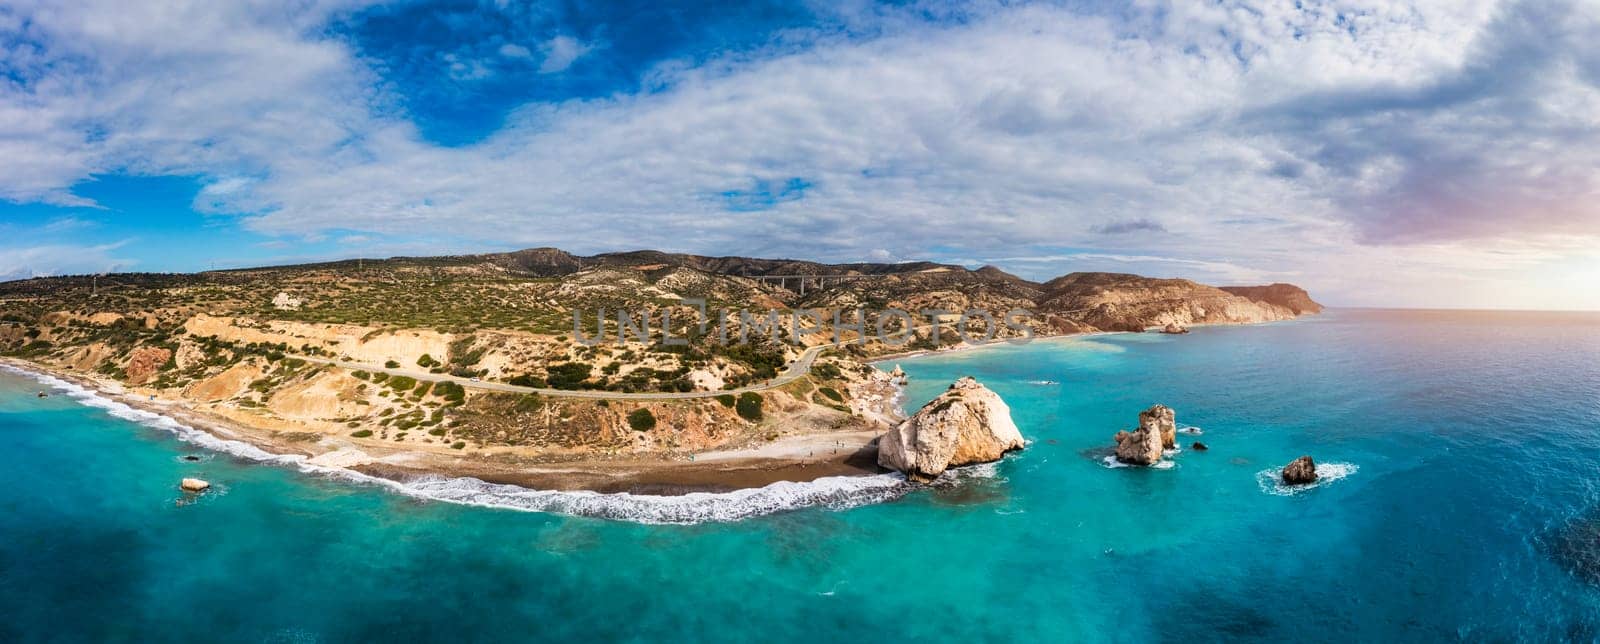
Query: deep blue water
(1470, 443)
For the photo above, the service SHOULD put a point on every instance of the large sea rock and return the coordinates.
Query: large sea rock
(1300, 472)
(1158, 430)
(1162, 420)
(966, 424)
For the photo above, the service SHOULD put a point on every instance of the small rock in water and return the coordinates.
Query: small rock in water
(194, 485)
(1199, 446)
(1300, 472)
(190, 457)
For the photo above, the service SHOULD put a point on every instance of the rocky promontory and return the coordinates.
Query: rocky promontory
(965, 425)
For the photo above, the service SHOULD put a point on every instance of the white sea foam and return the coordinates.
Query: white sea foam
(1112, 463)
(1271, 480)
(1191, 430)
(837, 492)
(1043, 382)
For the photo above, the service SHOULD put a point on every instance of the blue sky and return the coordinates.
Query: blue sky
(1377, 152)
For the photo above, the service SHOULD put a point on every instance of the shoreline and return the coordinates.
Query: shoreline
(792, 459)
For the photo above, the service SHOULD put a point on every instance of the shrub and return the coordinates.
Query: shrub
(749, 405)
(526, 380)
(361, 433)
(568, 375)
(641, 420)
(458, 445)
(427, 361)
(832, 393)
(726, 400)
(402, 383)
(391, 364)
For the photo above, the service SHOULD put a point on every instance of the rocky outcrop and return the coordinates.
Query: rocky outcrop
(1158, 430)
(1288, 296)
(1140, 447)
(1199, 446)
(145, 362)
(1300, 472)
(966, 424)
(1174, 328)
(194, 485)
(1163, 420)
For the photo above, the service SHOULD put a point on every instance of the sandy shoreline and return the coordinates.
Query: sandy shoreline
(798, 459)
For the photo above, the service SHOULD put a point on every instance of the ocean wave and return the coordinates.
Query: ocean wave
(836, 492)
(1196, 431)
(1271, 480)
(1111, 462)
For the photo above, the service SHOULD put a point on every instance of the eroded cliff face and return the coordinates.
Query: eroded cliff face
(1288, 296)
(965, 425)
(1120, 302)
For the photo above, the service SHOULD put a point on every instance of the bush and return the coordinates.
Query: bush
(832, 393)
(391, 364)
(450, 391)
(641, 420)
(726, 400)
(458, 445)
(749, 405)
(568, 375)
(361, 433)
(427, 361)
(526, 380)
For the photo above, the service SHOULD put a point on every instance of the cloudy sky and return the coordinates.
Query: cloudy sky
(1379, 153)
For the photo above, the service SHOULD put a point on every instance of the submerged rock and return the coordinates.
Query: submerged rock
(966, 424)
(1300, 472)
(194, 485)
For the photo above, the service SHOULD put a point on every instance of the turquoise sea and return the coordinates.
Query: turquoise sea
(1466, 506)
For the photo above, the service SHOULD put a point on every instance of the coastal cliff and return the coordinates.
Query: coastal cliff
(476, 358)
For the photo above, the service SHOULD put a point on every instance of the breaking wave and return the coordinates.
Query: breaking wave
(836, 492)
(1271, 480)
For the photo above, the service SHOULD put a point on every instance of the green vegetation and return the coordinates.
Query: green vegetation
(749, 406)
(427, 362)
(727, 400)
(832, 393)
(361, 433)
(641, 420)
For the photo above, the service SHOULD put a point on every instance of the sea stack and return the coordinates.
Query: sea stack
(966, 424)
(1162, 419)
(1300, 472)
(1158, 430)
(194, 485)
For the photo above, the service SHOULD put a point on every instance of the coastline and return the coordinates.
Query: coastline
(817, 460)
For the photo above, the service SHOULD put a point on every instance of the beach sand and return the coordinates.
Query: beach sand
(797, 458)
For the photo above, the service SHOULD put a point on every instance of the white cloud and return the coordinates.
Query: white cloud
(1361, 149)
(60, 259)
(560, 52)
(512, 50)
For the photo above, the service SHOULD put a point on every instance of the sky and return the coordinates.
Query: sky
(1378, 153)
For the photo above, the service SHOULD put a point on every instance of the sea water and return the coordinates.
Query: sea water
(1460, 454)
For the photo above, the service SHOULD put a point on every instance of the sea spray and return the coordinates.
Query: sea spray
(836, 492)
(1271, 480)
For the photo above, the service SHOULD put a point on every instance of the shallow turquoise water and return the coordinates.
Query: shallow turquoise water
(1472, 441)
